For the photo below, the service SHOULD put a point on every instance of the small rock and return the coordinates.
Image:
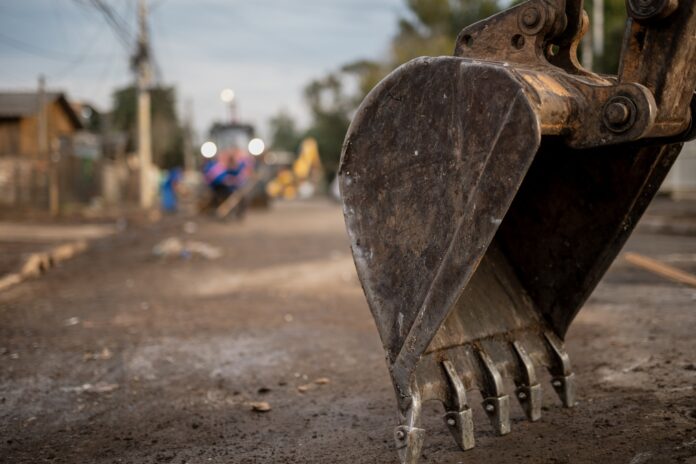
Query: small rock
(322, 381)
(101, 387)
(260, 406)
(71, 321)
(304, 388)
(104, 354)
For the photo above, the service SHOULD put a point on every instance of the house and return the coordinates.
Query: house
(19, 122)
(25, 171)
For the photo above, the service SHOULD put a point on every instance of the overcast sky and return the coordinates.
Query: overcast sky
(266, 50)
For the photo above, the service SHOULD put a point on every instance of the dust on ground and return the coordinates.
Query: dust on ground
(118, 356)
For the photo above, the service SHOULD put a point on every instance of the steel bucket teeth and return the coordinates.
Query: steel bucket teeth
(563, 378)
(409, 443)
(495, 402)
(459, 417)
(461, 425)
(472, 367)
(529, 398)
(528, 390)
(490, 370)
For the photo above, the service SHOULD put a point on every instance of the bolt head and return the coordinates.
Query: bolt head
(490, 407)
(531, 17)
(451, 422)
(557, 383)
(522, 395)
(400, 434)
(617, 113)
(649, 10)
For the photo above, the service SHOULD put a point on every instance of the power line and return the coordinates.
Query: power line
(80, 59)
(117, 23)
(34, 50)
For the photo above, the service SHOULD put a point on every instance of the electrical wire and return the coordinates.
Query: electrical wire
(117, 23)
(34, 50)
(77, 62)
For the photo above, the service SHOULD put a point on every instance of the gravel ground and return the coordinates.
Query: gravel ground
(118, 356)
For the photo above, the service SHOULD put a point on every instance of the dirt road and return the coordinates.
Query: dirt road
(119, 356)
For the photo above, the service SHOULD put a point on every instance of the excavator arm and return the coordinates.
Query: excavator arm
(487, 193)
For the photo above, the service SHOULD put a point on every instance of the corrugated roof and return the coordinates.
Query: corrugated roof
(22, 104)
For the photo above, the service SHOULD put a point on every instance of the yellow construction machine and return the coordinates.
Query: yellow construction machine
(302, 177)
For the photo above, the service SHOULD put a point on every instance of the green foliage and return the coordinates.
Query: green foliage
(284, 133)
(614, 26)
(429, 29)
(330, 118)
(167, 133)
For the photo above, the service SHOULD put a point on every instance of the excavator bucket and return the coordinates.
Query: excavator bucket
(486, 194)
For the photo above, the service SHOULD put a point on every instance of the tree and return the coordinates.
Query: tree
(331, 111)
(284, 133)
(432, 26)
(167, 133)
(429, 29)
(614, 27)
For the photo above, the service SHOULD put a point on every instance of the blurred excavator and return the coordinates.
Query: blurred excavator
(487, 193)
(302, 178)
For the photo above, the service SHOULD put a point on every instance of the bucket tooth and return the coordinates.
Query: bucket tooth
(409, 443)
(495, 402)
(408, 436)
(528, 390)
(498, 411)
(563, 378)
(458, 417)
(565, 388)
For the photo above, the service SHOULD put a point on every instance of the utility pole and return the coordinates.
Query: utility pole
(598, 27)
(587, 58)
(593, 42)
(189, 154)
(42, 118)
(143, 70)
(45, 150)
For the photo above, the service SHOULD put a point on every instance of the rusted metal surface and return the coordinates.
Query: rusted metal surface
(487, 193)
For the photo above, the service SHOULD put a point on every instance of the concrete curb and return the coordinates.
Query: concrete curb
(38, 263)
